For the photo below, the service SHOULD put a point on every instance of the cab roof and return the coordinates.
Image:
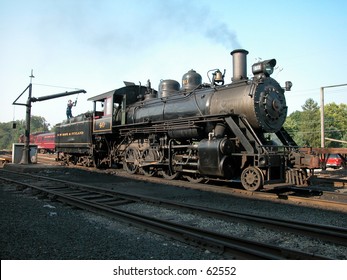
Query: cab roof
(102, 96)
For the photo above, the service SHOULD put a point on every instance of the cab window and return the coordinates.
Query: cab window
(108, 106)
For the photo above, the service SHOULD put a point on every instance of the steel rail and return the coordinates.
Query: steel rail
(267, 194)
(227, 245)
(324, 201)
(337, 235)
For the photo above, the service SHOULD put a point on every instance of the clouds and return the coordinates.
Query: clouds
(96, 44)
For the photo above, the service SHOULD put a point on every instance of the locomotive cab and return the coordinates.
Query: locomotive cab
(103, 112)
(110, 108)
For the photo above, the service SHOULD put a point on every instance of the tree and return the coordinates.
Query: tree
(38, 124)
(304, 126)
(291, 126)
(309, 123)
(9, 135)
(335, 123)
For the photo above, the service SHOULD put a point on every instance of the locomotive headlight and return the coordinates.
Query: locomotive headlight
(269, 69)
(262, 161)
(265, 67)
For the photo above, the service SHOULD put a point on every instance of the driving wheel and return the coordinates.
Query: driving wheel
(131, 160)
(149, 156)
(170, 174)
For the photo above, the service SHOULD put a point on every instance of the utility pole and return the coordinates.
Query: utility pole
(322, 130)
(26, 149)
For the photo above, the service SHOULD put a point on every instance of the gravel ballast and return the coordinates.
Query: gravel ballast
(38, 229)
(33, 228)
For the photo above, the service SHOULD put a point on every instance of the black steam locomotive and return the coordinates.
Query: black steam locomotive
(200, 131)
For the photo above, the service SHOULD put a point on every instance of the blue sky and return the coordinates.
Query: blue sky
(97, 44)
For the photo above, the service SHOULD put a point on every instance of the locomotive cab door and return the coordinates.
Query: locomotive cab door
(119, 105)
(103, 113)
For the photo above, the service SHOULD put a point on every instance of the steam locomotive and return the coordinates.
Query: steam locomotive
(199, 131)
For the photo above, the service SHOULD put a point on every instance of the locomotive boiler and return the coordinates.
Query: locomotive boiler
(261, 100)
(200, 131)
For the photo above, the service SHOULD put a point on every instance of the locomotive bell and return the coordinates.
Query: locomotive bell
(218, 77)
(191, 80)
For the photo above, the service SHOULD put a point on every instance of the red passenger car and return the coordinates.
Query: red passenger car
(45, 141)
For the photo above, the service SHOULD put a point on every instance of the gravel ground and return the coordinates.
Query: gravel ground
(40, 229)
(241, 230)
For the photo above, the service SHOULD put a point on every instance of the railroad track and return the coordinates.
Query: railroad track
(336, 182)
(284, 194)
(107, 202)
(308, 196)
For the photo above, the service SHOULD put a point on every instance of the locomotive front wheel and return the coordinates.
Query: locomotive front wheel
(252, 178)
(131, 160)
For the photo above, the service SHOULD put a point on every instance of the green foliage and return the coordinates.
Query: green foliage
(292, 125)
(335, 124)
(305, 126)
(9, 135)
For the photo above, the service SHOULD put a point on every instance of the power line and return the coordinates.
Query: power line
(54, 86)
(314, 131)
(316, 90)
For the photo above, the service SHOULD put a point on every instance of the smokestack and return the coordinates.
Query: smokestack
(239, 64)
